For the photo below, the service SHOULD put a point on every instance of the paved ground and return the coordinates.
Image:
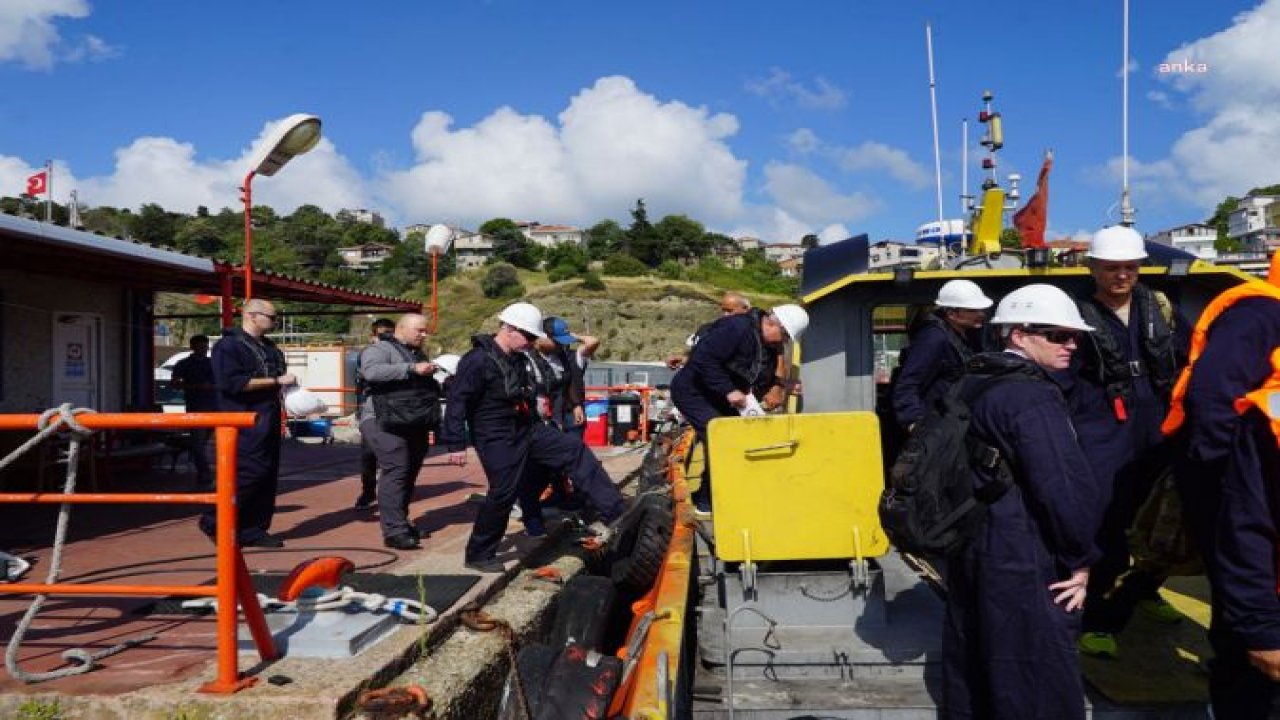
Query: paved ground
(160, 544)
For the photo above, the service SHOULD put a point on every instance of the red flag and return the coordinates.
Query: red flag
(1031, 219)
(38, 184)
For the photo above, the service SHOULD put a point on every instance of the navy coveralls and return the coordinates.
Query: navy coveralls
(1126, 458)
(933, 361)
(1008, 650)
(497, 403)
(730, 356)
(195, 371)
(1231, 488)
(237, 359)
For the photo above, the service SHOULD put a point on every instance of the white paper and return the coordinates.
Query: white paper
(752, 408)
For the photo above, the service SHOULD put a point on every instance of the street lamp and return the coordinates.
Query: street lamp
(437, 242)
(294, 135)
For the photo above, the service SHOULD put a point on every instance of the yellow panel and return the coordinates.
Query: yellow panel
(989, 223)
(797, 487)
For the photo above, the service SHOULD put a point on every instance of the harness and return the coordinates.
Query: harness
(269, 363)
(745, 371)
(1109, 366)
(516, 385)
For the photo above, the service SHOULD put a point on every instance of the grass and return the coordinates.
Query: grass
(36, 709)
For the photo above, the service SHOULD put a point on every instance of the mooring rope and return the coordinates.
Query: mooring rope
(48, 424)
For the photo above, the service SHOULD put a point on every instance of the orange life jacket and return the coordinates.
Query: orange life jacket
(1266, 398)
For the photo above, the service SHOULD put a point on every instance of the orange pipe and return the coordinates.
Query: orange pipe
(138, 421)
(233, 577)
(110, 498)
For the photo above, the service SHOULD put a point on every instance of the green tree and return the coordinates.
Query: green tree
(670, 270)
(643, 243)
(605, 238)
(200, 236)
(491, 227)
(560, 273)
(591, 281)
(1010, 237)
(622, 265)
(680, 237)
(562, 254)
(501, 280)
(511, 246)
(1219, 223)
(809, 242)
(154, 226)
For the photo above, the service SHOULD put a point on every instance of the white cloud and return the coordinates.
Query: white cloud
(869, 156)
(1238, 92)
(28, 34)
(809, 198)
(612, 144)
(1160, 98)
(778, 88)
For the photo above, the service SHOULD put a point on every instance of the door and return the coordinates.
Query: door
(77, 359)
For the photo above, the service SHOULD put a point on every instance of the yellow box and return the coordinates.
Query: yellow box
(797, 487)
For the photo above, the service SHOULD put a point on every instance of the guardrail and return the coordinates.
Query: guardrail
(233, 582)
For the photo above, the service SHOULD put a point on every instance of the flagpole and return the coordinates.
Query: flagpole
(48, 196)
(933, 103)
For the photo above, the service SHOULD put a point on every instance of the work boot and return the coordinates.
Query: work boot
(1099, 645)
(366, 501)
(486, 565)
(264, 541)
(404, 541)
(1158, 609)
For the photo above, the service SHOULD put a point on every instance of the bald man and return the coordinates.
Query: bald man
(402, 405)
(249, 372)
(733, 303)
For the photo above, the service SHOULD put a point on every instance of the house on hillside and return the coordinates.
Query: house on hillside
(471, 249)
(363, 257)
(777, 252)
(891, 254)
(1196, 238)
(730, 254)
(372, 217)
(552, 235)
(1256, 223)
(792, 266)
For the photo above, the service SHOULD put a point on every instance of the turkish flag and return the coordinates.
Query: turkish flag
(38, 184)
(1031, 219)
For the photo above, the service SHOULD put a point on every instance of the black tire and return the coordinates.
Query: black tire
(641, 545)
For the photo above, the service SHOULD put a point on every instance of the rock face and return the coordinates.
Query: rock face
(636, 319)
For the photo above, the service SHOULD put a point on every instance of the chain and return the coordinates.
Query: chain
(478, 620)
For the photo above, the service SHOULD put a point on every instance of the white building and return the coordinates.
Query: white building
(1256, 222)
(471, 249)
(777, 252)
(552, 235)
(749, 243)
(365, 216)
(1196, 238)
(891, 254)
(364, 257)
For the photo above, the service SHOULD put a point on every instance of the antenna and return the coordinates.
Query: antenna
(1126, 208)
(933, 102)
(966, 200)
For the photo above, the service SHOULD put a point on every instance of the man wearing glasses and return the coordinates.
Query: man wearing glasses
(250, 371)
(493, 395)
(1013, 593)
(1122, 380)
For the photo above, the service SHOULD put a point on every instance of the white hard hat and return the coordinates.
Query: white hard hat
(963, 294)
(794, 319)
(446, 365)
(301, 401)
(1039, 304)
(1117, 242)
(523, 316)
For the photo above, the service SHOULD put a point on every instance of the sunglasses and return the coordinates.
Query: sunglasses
(528, 336)
(1057, 337)
(269, 316)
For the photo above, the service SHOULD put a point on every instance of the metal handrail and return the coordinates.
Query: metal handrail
(232, 583)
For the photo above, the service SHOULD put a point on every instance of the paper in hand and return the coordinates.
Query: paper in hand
(752, 408)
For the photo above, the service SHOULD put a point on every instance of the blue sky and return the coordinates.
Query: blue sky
(759, 118)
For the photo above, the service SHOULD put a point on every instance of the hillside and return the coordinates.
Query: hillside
(636, 318)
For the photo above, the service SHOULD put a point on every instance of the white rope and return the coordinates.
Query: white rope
(410, 611)
(49, 423)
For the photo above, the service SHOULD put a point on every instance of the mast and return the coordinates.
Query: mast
(1126, 207)
(933, 102)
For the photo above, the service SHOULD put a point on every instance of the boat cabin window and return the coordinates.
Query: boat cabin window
(890, 326)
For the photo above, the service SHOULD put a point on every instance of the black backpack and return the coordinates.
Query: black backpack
(930, 505)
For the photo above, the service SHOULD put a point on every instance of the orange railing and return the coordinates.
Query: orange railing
(644, 390)
(233, 581)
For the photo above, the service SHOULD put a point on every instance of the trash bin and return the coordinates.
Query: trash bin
(625, 416)
(597, 425)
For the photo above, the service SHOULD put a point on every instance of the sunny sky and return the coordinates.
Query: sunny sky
(758, 118)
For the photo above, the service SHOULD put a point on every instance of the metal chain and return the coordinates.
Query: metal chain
(49, 423)
(478, 620)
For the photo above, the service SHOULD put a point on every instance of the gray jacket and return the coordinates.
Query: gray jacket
(383, 362)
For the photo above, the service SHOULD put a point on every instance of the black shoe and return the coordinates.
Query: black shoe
(366, 501)
(487, 565)
(265, 541)
(416, 533)
(404, 541)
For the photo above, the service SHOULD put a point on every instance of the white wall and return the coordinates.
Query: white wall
(27, 306)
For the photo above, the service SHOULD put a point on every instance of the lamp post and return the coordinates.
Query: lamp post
(437, 242)
(294, 135)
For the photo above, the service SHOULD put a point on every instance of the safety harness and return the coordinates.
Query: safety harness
(746, 372)
(1109, 366)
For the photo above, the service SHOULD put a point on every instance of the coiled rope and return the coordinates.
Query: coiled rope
(49, 423)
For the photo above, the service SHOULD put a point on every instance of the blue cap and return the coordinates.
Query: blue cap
(558, 330)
